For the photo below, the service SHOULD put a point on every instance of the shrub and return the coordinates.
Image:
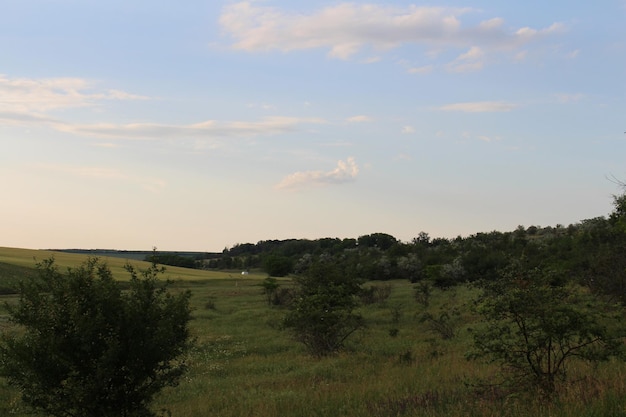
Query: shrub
(321, 316)
(85, 348)
(536, 324)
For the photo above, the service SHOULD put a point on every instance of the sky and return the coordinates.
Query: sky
(198, 125)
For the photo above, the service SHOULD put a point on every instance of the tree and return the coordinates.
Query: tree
(270, 286)
(537, 324)
(85, 348)
(277, 265)
(322, 315)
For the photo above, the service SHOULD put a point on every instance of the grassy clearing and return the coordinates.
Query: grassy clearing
(245, 365)
(27, 258)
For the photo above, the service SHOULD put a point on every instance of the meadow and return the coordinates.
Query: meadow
(244, 364)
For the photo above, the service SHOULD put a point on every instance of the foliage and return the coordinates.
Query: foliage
(85, 348)
(244, 365)
(445, 324)
(322, 315)
(422, 292)
(277, 265)
(537, 324)
(375, 294)
(172, 259)
(11, 276)
(270, 288)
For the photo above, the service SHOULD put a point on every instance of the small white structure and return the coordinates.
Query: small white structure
(244, 272)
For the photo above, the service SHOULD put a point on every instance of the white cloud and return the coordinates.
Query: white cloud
(426, 69)
(527, 33)
(480, 107)
(473, 54)
(346, 171)
(206, 129)
(472, 60)
(569, 98)
(262, 106)
(345, 29)
(359, 119)
(486, 138)
(26, 101)
(408, 129)
(27, 95)
(22, 117)
(491, 24)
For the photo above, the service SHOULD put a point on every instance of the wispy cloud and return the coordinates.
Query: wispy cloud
(207, 129)
(486, 138)
(408, 129)
(480, 107)
(472, 60)
(33, 102)
(28, 95)
(569, 98)
(22, 117)
(359, 119)
(345, 29)
(346, 171)
(426, 69)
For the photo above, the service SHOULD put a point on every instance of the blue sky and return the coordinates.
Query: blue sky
(202, 124)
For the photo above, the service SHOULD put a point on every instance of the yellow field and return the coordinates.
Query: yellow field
(29, 257)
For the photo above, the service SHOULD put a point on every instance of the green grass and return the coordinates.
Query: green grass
(27, 258)
(245, 365)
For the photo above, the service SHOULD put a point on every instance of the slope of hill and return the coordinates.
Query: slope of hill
(26, 259)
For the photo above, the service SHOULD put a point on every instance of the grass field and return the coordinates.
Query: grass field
(243, 364)
(28, 257)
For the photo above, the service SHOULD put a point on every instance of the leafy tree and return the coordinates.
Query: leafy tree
(381, 241)
(537, 324)
(322, 315)
(277, 265)
(83, 347)
(270, 287)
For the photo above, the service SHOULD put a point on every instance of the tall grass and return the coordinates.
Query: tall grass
(244, 364)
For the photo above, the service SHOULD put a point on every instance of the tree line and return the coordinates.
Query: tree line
(590, 250)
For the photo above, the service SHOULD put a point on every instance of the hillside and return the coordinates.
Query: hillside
(15, 261)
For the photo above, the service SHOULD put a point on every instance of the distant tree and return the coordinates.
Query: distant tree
(599, 248)
(410, 267)
(83, 347)
(277, 265)
(171, 259)
(422, 239)
(536, 324)
(381, 241)
(322, 315)
(270, 286)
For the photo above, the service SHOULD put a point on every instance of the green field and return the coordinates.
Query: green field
(28, 257)
(243, 364)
